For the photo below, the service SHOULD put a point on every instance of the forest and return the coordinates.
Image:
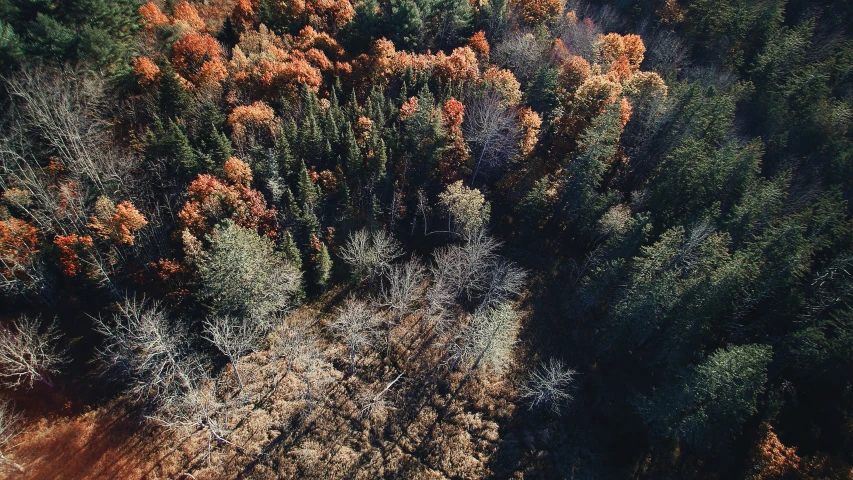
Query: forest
(426, 239)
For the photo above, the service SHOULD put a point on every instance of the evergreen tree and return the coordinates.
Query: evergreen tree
(322, 266)
(708, 409)
(174, 99)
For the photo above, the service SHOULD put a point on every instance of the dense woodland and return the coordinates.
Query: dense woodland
(426, 239)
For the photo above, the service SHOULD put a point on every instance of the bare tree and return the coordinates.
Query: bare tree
(10, 427)
(549, 386)
(63, 108)
(358, 326)
(504, 281)
(370, 253)
(492, 129)
(28, 356)
(522, 54)
(202, 409)
(142, 349)
(405, 281)
(372, 402)
(304, 358)
(234, 338)
(487, 339)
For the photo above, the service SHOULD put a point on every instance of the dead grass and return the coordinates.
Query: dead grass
(427, 425)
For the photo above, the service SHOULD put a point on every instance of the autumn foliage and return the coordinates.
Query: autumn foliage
(198, 58)
(18, 245)
(211, 200)
(771, 459)
(152, 15)
(535, 12)
(118, 223)
(147, 72)
(71, 248)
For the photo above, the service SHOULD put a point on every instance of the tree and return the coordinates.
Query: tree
(770, 458)
(492, 130)
(717, 397)
(18, 249)
(118, 223)
(466, 208)
(487, 339)
(28, 356)
(548, 386)
(235, 338)
(357, 326)
(10, 427)
(406, 24)
(535, 12)
(211, 200)
(321, 263)
(405, 281)
(465, 269)
(198, 58)
(147, 352)
(242, 275)
(370, 253)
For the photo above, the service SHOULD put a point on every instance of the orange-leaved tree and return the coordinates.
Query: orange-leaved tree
(118, 223)
(212, 200)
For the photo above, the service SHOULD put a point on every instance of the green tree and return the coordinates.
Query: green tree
(242, 275)
(708, 408)
(321, 268)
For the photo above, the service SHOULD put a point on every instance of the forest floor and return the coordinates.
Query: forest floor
(427, 424)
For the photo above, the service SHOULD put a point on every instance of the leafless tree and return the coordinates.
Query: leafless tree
(304, 358)
(358, 326)
(63, 108)
(405, 281)
(370, 253)
(487, 339)
(10, 427)
(202, 408)
(234, 338)
(491, 128)
(504, 281)
(28, 356)
(439, 296)
(422, 210)
(549, 386)
(142, 349)
(522, 54)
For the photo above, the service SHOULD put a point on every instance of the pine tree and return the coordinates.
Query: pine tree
(214, 146)
(174, 99)
(709, 408)
(291, 251)
(307, 192)
(322, 267)
(350, 152)
(172, 145)
(284, 156)
(581, 200)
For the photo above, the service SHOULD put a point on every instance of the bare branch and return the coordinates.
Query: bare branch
(143, 350)
(404, 284)
(358, 326)
(549, 386)
(234, 338)
(10, 427)
(370, 253)
(27, 356)
(487, 339)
